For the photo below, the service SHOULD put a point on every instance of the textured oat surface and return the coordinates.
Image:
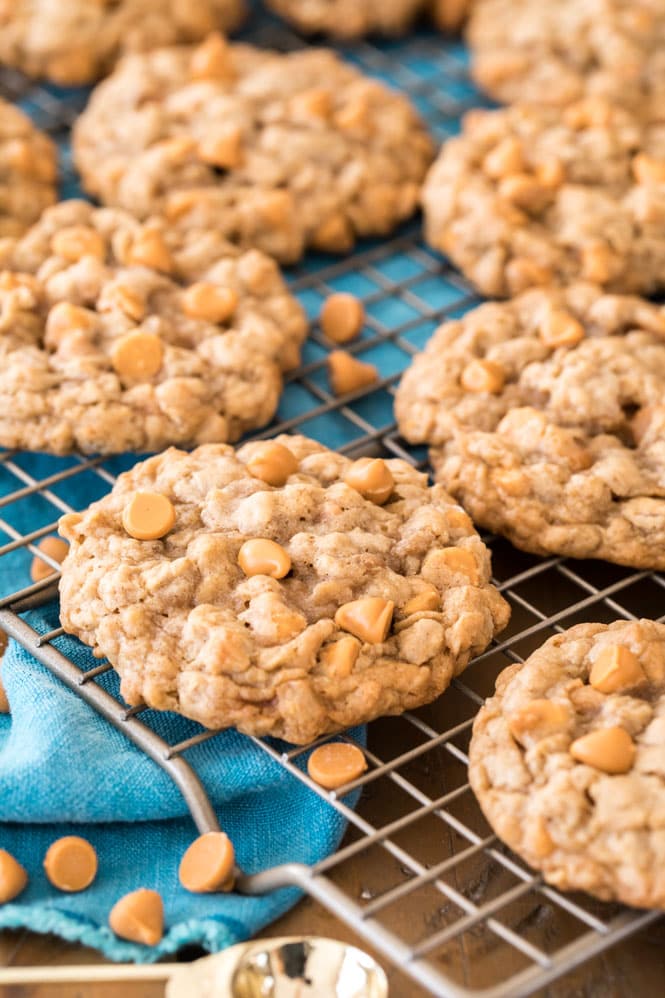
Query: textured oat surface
(188, 632)
(567, 457)
(555, 51)
(275, 151)
(28, 171)
(528, 196)
(584, 828)
(59, 389)
(74, 41)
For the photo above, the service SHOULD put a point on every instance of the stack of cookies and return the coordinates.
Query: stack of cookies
(282, 588)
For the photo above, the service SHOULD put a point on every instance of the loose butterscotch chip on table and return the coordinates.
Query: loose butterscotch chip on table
(71, 863)
(276, 595)
(208, 864)
(575, 734)
(13, 878)
(333, 766)
(139, 917)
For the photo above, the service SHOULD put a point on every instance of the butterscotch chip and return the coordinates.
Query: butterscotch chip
(138, 355)
(483, 376)
(208, 864)
(174, 337)
(616, 669)
(261, 556)
(148, 516)
(372, 478)
(559, 329)
(513, 213)
(76, 242)
(52, 547)
(348, 374)
(551, 748)
(342, 317)
(556, 53)
(369, 618)
(28, 168)
(139, 917)
(71, 863)
(340, 657)
(206, 301)
(333, 766)
(270, 172)
(564, 457)
(212, 59)
(611, 750)
(13, 878)
(149, 249)
(74, 43)
(269, 606)
(428, 599)
(272, 463)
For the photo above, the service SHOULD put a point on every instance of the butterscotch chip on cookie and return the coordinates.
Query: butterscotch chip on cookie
(28, 171)
(292, 610)
(560, 447)
(571, 775)
(556, 51)
(281, 152)
(530, 196)
(76, 41)
(112, 339)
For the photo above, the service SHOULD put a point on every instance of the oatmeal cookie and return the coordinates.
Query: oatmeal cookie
(285, 589)
(28, 171)
(275, 151)
(119, 335)
(556, 51)
(567, 761)
(532, 196)
(546, 420)
(350, 19)
(75, 41)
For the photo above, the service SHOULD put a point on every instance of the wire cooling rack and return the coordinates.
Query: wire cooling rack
(440, 896)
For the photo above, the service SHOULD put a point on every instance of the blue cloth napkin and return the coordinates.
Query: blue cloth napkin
(64, 770)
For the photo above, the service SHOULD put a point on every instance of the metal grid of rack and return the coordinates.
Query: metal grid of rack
(483, 924)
